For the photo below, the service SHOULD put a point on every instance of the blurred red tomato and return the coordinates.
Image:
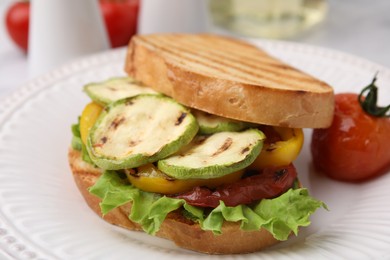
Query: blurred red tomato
(17, 20)
(121, 20)
(120, 17)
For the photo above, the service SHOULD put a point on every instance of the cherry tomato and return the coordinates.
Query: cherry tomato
(17, 22)
(121, 20)
(120, 17)
(356, 146)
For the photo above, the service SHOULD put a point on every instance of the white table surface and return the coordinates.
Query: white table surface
(359, 27)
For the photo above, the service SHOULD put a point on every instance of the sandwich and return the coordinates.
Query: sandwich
(196, 144)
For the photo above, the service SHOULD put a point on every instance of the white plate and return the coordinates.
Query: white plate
(43, 216)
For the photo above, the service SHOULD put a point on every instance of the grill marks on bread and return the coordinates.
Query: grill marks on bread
(250, 67)
(230, 78)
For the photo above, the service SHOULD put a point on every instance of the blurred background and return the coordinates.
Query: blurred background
(63, 30)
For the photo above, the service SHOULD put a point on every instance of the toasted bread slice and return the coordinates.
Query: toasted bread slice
(230, 78)
(182, 231)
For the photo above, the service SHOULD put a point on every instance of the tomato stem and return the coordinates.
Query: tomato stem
(369, 102)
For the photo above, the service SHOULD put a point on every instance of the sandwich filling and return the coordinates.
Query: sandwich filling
(164, 157)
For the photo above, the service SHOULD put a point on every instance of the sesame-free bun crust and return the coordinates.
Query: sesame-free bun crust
(230, 78)
(182, 231)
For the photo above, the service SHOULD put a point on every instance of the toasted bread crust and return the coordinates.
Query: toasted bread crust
(199, 71)
(177, 228)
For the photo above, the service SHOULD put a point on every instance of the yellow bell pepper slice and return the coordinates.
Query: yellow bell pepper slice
(282, 152)
(150, 178)
(88, 118)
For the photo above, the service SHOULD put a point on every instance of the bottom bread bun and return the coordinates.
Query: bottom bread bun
(177, 228)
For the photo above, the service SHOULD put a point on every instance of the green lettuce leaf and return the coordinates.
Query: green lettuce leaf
(77, 143)
(287, 212)
(148, 209)
(76, 138)
(85, 155)
(76, 129)
(280, 216)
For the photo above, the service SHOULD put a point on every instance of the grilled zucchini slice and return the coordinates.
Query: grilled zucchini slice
(113, 89)
(134, 131)
(210, 124)
(215, 155)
